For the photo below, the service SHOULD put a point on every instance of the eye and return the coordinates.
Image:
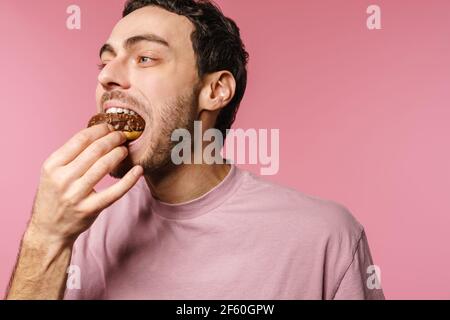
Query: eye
(145, 60)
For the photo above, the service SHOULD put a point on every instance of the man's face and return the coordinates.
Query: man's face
(150, 67)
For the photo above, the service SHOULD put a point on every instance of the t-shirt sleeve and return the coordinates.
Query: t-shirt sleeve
(362, 279)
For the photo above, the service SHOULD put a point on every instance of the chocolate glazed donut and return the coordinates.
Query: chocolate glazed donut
(131, 125)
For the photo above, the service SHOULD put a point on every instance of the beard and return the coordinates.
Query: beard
(180, 113)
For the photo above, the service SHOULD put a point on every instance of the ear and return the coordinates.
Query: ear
(217, 91)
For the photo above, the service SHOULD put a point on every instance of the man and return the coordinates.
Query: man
(189, 231)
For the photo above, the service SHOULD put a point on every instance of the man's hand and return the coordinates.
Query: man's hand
(65, 206)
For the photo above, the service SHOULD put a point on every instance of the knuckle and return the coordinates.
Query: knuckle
(100, 148)
(90, 179)
(71, 199)
(103, 166)
(82, 137)
(84, 210)
(46, 168)
(117, 137)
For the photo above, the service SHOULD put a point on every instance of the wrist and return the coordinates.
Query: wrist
(37, 239)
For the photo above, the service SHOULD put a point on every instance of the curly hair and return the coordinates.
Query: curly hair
(217, 45)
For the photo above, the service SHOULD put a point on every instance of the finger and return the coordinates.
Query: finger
(84, 185)
(93, 153)
(101, 200)
(80, 141)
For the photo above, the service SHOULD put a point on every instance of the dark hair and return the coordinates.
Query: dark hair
(216, 42)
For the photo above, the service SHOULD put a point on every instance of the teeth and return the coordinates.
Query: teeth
(120, 110)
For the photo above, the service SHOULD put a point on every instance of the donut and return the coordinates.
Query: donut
(131, 125)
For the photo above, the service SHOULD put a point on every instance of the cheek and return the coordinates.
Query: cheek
(155, 86)
(157, 93)
(166, 82)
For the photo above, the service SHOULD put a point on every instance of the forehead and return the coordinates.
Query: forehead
(175, 29)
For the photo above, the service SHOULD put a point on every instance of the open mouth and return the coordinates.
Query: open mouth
(122, 119)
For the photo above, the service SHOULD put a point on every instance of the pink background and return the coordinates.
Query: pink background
(363, 115)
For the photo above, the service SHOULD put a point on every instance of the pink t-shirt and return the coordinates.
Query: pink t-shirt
(245, 239)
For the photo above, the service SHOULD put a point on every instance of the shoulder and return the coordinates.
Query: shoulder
(303, 212)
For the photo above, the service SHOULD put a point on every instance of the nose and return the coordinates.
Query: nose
(114, 75)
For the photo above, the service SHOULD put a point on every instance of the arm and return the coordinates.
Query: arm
(65, 206)
(360, 281)
(40, 271)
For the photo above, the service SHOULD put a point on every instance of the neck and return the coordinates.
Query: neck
(186, 182)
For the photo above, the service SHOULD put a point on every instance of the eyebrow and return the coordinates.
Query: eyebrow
(128, 43)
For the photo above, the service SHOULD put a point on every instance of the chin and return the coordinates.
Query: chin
(122, 169)
(135, 156)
